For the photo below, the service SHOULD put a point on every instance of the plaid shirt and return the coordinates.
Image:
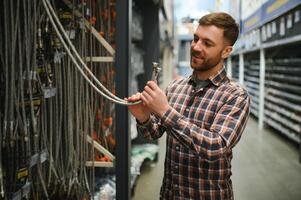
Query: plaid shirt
(202, 128)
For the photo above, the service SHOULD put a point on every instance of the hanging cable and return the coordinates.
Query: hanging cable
(111, 96)
(75, 51)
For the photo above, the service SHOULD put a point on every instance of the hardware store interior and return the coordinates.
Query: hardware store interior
(67, 68)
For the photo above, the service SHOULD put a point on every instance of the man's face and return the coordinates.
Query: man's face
(208, 48)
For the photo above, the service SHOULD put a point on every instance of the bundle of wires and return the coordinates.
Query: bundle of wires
(63, 36)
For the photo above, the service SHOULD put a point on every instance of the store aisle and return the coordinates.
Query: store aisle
(265, 166)
(149, 182)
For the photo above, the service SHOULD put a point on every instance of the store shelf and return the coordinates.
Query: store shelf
(252, 86)
(235, 69)
(290, 114)
(251, 81)
(286, 122)
(283, 98)
(291, 135)
(273, 44)
(284, 86)
(284, 41)
(271, 52)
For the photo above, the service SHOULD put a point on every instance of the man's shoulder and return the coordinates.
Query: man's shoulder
(234, 88)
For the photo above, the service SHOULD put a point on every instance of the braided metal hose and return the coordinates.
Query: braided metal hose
(107, 94)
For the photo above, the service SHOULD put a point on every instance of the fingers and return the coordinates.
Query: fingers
(149, 91)
(135, 97)
(146, 98)
(147, 95)
(152, 84)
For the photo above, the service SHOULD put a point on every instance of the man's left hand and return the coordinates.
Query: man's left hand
(155, 99)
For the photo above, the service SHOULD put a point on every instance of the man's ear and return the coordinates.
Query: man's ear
(226, 52)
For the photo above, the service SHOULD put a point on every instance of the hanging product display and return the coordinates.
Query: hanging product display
(53, 125)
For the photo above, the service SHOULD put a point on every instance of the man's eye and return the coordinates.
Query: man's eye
(208, 44)
(195, 39)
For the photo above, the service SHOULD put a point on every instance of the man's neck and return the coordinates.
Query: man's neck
(205, 75)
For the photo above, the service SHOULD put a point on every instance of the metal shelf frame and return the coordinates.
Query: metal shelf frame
(150, 45)
(273, 44)
(123, 55)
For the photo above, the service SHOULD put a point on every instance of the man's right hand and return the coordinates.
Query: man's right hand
(140, 111)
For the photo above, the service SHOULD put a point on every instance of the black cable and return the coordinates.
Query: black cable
(7, 116)
(6, 95)
(1, 98)
(1, 37)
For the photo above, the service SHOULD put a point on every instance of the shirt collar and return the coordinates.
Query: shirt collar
(216, 79)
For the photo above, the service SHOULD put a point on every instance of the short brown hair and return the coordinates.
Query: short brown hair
(224, 21)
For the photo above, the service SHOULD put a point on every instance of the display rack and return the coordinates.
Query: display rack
(56, 131)
(235, 68)
(251, 82)
(283, 96)
(270, 49)
(145, 49)
(139, 22)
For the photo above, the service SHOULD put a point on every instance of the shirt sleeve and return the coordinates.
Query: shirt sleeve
(223, 134)
(152, 129)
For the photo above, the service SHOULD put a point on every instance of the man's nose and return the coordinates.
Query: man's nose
(198, 46)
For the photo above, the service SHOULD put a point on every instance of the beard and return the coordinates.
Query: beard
(201, 63)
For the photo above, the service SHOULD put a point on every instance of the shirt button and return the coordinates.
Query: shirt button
(187, 109)
(177, 148)
(192, 90)
(176, 185)
(176, 166)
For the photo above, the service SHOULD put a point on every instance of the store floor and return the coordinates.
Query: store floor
(265, 167)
